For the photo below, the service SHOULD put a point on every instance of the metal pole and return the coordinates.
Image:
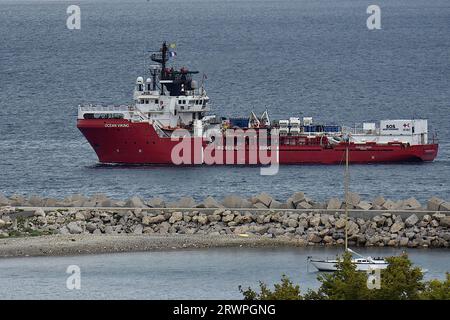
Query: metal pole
(346, 185)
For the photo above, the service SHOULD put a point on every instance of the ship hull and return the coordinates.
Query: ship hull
(125, 142)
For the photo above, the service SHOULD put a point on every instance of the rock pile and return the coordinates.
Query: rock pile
(262, 201)
(306, 228)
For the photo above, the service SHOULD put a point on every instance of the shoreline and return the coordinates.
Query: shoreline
(80, 244)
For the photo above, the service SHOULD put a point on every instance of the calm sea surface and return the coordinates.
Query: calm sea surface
(296, 58)
(179, 274)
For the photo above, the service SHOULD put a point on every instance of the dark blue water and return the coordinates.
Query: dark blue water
(302, 58)
(181, 274)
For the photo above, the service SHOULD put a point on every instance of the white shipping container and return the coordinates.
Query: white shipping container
(307, 121)
(420, 126)
(396, 127)
(283, 123)
(294, 121)
(369, 126)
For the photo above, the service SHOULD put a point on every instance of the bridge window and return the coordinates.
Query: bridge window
(103, 116)
(156, 101)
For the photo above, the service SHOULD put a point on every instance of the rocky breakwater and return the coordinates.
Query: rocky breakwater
(299, 220)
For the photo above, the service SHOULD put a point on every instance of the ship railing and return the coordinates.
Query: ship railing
(106, 108)
(434, 138)
(158, 128)
(359, 130)
(138, 115)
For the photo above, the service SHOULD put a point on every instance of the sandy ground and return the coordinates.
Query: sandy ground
(58, 245)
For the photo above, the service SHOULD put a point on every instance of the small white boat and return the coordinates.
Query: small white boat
(362, 263)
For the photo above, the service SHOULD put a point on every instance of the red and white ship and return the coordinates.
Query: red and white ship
(168, 123)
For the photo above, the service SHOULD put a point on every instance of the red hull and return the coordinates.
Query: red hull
(121, 141)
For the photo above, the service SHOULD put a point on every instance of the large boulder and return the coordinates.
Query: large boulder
(148, 220)
(444, 206)
(297, 198)
(107, 203)
(214, 217)
(352, 228)
(364, 205)
(156, 203)
(411, 220)
(314, 221)
(135, 202)
(396, 227)
(227, 217)
(398, 205)
(411, 204)
(233, 201)
(74, 228)
(4, 201)
(353, 198)
(388, 205)
(274, 204)
(313, 237)
(17, 200)
(183, 202)
(210, 202)
(403, 242)
(445, 222)
(50, 202)
(176, 216)
(378, 201)
(434, 203)
(259, 205)
(304, 205)
(292, 223)
(334, 203)
(241, 230)
(91, 227)
(202, 219)
(340, 223)
(36, 201)
(264, 198)
(39, 212)
(99, 199)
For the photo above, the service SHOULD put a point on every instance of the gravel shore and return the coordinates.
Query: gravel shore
(79, 244)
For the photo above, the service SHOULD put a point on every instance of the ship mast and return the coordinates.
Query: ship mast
(161, 57)
(163, 64)
(346, 186)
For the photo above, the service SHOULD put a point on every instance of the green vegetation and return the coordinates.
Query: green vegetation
(23, 230)
(399, 281)
(286, 290)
